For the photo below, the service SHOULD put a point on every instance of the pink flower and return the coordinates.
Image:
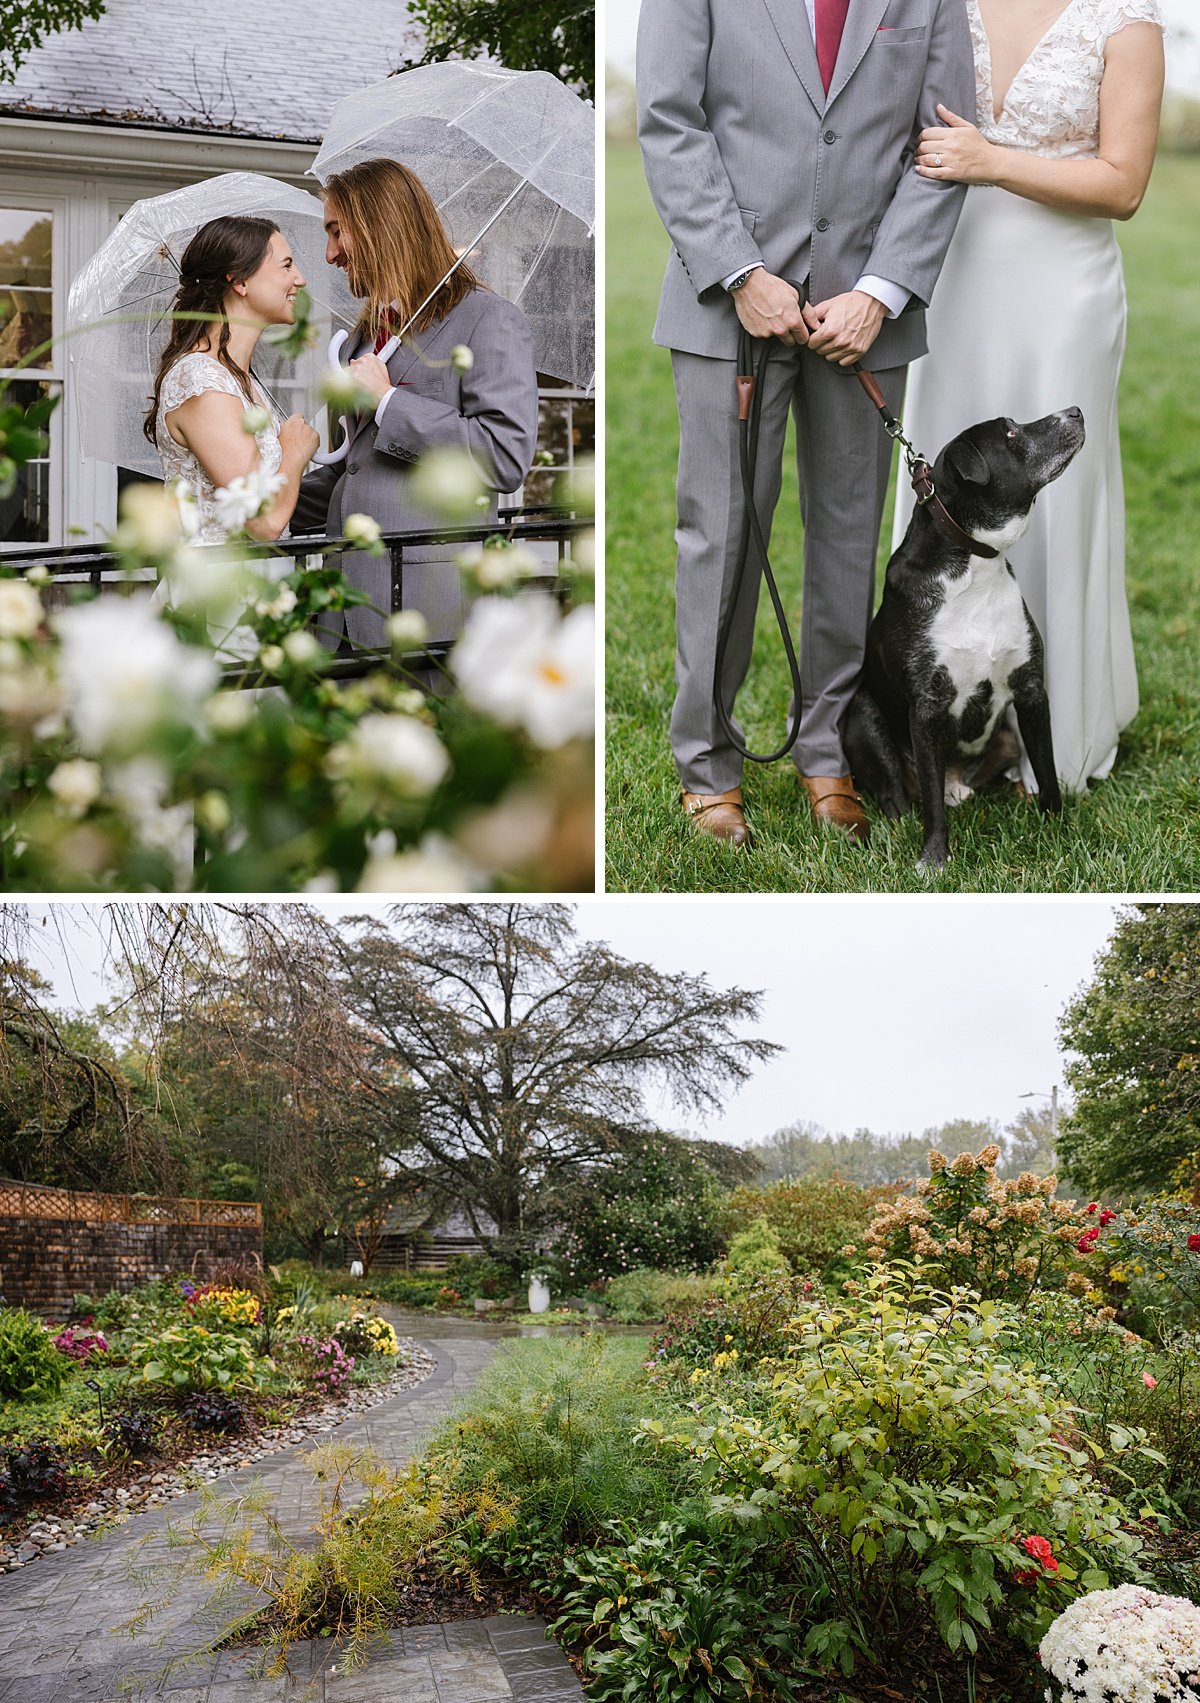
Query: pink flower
(1150, 1383)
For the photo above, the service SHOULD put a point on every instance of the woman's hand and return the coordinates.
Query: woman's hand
(371, 373)
(957, 152)
(298, 440)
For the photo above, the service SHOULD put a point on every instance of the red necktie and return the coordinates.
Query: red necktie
(829, 17)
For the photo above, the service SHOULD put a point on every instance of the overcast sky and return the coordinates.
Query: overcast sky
(1183, 40)
(897, 1014)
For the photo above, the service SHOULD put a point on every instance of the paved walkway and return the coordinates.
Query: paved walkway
(58, 1617)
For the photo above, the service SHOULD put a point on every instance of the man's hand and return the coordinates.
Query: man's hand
(844, 327)
(770, 307)
(371, 373)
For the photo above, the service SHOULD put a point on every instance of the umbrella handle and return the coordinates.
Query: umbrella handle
(331, 457)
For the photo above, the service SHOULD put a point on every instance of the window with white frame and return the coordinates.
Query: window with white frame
(30, 317)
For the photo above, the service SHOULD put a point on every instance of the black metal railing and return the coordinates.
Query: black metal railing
(539, 525)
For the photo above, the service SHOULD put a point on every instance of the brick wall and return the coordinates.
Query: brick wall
(44, 1262)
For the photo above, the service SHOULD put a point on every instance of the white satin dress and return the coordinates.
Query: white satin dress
(1029, 317)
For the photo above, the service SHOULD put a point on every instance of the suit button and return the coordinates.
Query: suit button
(353, 467)
(829, 136)
(822, 224)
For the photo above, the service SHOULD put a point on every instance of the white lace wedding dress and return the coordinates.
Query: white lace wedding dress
(1029, 317)
(192, 375)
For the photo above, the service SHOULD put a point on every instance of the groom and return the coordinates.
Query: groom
(777, 137)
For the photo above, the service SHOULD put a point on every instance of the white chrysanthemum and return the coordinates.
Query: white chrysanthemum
(1129, 1643)
(435, 866)
(242, 499)
(124, 672)
(76, 785)
(20, 609)
(395, 750)
(520, 662)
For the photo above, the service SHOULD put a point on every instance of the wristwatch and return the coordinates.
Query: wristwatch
(736, 283)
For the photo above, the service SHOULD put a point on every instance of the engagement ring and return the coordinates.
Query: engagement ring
(937, 159)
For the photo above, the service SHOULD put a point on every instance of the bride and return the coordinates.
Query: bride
(1029, 316)
(237, 276)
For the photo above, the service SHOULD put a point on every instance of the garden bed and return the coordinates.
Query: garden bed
(100, 1492)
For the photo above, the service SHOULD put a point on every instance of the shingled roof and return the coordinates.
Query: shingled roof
(256, 68)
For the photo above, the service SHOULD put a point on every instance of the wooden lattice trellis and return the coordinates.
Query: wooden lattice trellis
(34, 1200)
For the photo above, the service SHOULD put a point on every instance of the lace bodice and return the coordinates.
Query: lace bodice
(1053, 103)
(190, 376)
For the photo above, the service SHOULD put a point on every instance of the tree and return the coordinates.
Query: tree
(1135, 1034)
(26, 26)
(528, 1052)
(558, 36)
(1031, 1141)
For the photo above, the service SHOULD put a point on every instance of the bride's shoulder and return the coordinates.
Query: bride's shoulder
(191, 375)
(1113, 15)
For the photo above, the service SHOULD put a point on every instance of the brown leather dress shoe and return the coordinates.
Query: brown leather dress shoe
(835, 804)
(719, 814)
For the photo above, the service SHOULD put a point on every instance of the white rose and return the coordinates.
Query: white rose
(242, 499)
(408, 629)
(498, 563)
(519, 662)
(272, 658)
(125, 673)
(228, 712)
(461, 358)
(280, 605)
(76, 785)
(435, 866)
(149, 523)
(447, 481)
(39, 575)
(395, 750)
(301, 647)
(20, 609)
(255, 420)
(361, 529)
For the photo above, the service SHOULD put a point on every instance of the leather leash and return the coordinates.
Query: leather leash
(749, 389)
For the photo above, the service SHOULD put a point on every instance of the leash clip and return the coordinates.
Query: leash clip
(922, 479)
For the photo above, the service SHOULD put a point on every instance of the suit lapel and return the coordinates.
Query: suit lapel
(791, 26)
(402, 362)
(862, 21)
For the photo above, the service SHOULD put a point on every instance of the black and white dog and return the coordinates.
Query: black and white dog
(952, 643)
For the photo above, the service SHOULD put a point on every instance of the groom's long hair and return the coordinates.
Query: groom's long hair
(225, 251)
(399, 246)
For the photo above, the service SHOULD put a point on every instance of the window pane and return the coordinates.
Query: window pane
(25, 512)
(26, 299)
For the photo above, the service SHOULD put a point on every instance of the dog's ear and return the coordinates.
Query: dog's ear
(968, 462)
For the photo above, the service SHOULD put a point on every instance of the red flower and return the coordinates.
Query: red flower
(1094, 1207)
(1107, 1216)
(1039, 1549)
(1194, 1244)
(1086, 1241)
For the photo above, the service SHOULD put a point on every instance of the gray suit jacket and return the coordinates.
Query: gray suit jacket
(491, 412)
(748, 159)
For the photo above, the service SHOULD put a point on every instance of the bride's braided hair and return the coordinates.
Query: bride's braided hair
(225, 251)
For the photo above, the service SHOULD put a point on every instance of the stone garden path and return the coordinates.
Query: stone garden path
(58, 1617)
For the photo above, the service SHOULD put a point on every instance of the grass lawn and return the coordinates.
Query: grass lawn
(1138, 832)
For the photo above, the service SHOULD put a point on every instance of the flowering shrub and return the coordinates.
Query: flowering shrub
(79, 1344)
(813, 1220)
(1004, 1238)
(1129, 1644)
(31, 1369)
(325, 1363)
(655, 1204)
(363, 1333)
(448, 1295)
(192, 1357)
(124, 765)
(907, 1460)
(753, 1317)
(1155, 1251)
(215, 1306)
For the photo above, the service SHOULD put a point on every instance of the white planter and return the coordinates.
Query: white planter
(539, 1295)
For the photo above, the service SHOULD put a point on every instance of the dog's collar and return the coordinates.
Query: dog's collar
(939, 514)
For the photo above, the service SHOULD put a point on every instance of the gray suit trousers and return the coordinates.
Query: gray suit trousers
(843, 462)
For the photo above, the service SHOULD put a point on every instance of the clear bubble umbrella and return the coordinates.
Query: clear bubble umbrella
(509, 159)
(119, 306)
